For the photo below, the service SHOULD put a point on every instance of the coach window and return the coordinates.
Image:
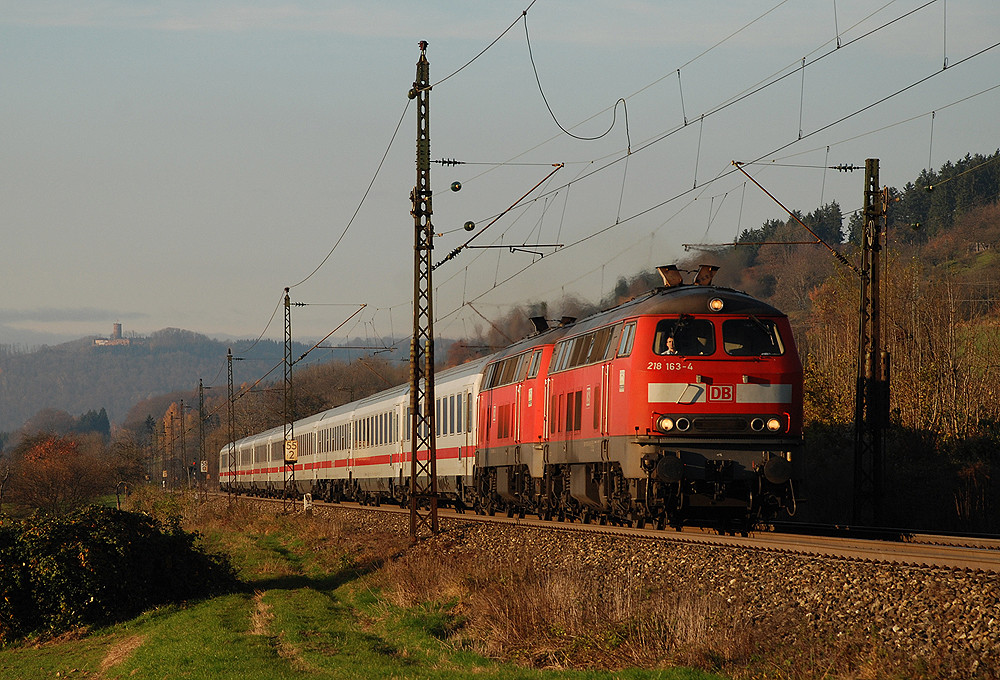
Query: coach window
(751, 337)
(628, 336)
(691, 337)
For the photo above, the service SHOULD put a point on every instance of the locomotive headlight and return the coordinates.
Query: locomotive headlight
(664, 424)
(716, 304)
(773, 424)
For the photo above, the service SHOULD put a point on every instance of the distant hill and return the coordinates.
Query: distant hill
(81, 376)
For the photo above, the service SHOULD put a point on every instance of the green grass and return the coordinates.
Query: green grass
(305, 613)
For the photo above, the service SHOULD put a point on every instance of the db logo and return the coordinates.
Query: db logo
(721, 392)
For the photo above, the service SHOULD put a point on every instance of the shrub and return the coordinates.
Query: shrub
(96, 566)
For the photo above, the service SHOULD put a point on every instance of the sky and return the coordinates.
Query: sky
(179, 164)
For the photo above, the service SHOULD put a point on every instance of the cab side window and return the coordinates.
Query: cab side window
(627, 338)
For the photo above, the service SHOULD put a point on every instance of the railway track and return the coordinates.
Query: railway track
(926, 550)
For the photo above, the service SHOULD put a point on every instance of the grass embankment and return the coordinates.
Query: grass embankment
(322, 599)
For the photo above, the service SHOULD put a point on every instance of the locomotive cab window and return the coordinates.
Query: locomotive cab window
(627, 337)
(685, 336)
(536, 360)
(751, 337)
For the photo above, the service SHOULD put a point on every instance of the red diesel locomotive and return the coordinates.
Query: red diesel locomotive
(680, 406)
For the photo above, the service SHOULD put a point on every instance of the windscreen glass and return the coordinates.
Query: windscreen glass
(751, 337)
(685, 336)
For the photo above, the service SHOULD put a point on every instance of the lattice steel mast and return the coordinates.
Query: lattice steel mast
(232, 424)
(871, 408)
(291, 453)
(423, 473)
(203, 481)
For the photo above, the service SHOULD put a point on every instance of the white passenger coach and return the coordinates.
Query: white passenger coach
(361, 450)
